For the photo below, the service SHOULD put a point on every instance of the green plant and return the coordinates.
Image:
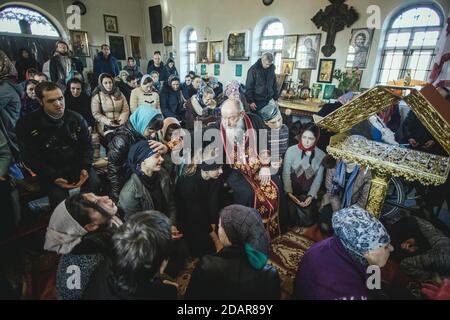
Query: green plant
(348, 81)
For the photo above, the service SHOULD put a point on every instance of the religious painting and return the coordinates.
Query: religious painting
(167, 31)
(216, 51)
(117, 47)
(237, 44)
(359, 48)
(304, 78)
(328, 91)
(80, 43)
(203, 70)
(136, 47)
(289, 47)
(326, 70)
(287, 67)
(308, 49)
(110, 23)
(202, 52)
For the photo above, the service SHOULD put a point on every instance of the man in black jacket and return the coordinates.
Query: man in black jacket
(261, 85)
(157, 65)
(56, 145)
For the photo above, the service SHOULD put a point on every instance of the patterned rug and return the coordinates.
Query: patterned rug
(285, 254)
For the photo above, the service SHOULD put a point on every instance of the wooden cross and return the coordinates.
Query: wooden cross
(335, 18)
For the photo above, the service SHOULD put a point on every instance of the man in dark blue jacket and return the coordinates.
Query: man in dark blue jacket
(172, 99)
(157, 65)
(261, 85)
(104, 62)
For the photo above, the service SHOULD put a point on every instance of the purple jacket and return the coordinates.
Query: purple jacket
(327, 272)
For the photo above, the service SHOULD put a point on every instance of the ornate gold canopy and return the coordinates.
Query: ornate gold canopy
(388, 160)
(431, 109)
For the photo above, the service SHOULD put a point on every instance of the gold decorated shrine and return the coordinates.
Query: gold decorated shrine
(383, 159)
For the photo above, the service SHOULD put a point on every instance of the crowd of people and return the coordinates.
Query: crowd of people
(224, 201)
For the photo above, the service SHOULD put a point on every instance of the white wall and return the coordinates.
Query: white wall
(128, 12)
(221, 17)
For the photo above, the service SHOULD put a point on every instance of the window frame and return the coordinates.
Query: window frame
(408, 51)
(276, 52)
(189, 52)
(60, 35)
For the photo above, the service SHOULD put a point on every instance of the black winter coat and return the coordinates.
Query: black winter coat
(55, 148)
(118, 148)
(171, 102)
(261, 84)
(228, 275)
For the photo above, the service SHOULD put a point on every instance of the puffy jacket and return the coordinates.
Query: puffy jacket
(261, 84)
(55, 148)
(134, 196)
(118, 148)
(139, 98)
(171, 102)
(106, 108)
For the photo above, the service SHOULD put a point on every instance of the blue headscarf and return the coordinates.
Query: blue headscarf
(338, 183)
(137, 154)
(244, 227)
(359, 232)
(141, 118)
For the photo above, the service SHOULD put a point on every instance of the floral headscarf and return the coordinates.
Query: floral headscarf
(232, 90)
(359, 232)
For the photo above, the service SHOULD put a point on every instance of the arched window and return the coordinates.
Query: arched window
(191, 50)
(16, 19)
(410, 43)
(272, 41)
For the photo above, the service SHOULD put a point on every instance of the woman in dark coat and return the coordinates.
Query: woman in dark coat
(24, 62)
(239, 270)
(199, 215)
(29, 101)
(172, 99)
(77, 100)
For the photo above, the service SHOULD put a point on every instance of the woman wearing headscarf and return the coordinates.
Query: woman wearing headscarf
(346, 184)
(80, 230)
(142, 125)
(30, 102)
(144, 95)
(240, 269)
(109, 107)
(10, 103)
(24, 62)
(302, 177)
(121, 82)
(172, 99)
(337, 268)
(171, 69)
(202, 107)
(199, 216)
(148, 187)
(165, 135)
(78, 100)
